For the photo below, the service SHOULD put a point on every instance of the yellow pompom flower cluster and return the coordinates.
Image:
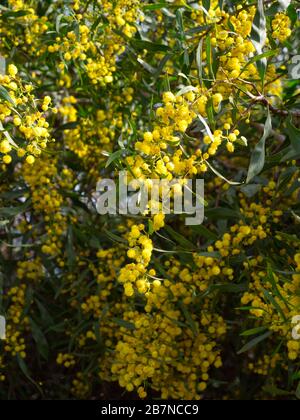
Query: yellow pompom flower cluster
(27, 30)
(16, 322)
(2, 366)
(147, 354)
(80, 386)
(66, 360)
(20, 117)
(97, 50)
(141, 251)
(281, 26)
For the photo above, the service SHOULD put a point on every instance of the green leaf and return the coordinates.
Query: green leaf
(293, 152)
(125, 324)
(210, 113)
(203, 231)
(40, 339)
(250, 190)
(150, 46)
(298, 391)
(14, 211)
(258, 57)
(192, 324)
(68, 126)
(113, 157)
(292, 14)
(259, 37)
(275, 391)
(199, 61)
(147, 66)
(5, 95)
(115, 238)
(222, 213)
(273, 302)
(58, 22)
(284, 4)
(71, 255)
(181, 240)
(258, 157)
(12, 14)
(276, 291)
(23, 366)
(253, 343)
(12, 195)
(156, 6)
(253, 331)
(209, 58)
(8, 136)
(222, 176)
(206, 4)
(185, 90)
(197, 30)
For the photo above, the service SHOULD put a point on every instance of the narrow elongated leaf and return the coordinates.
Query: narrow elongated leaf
(258, 157)
(298, 391)
(125, 324)
(199, 60)
(13, 15)
(284, 4)
(14, 211)
(293, 151)
(256, 58)
(147, 66)
(253, 343)
(24, 368)
(40, 339)
(206, 4)
(2, 328)
(6, 96)
(253, 331)
(113, 157)
(259, 37)
(156, 6)
(185, 90)
(273, 302)
(7, 135)
(222, 176)
(222, 213)
(181, 240)
(150, 46)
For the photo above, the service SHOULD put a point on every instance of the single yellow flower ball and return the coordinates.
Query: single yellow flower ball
(7, 159)
(30, 160)
(12, 70)
(5, 147)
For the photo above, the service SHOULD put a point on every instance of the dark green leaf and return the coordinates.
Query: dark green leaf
(253, 343)
(258, 157)
(259, 37)
(40, 339)
(5, 95)
(113, 157)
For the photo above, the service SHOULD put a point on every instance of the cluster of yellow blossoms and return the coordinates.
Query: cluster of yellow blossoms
(91, 47)
(26, 32)
(17, 323)
(281, 26)
(24, 129)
